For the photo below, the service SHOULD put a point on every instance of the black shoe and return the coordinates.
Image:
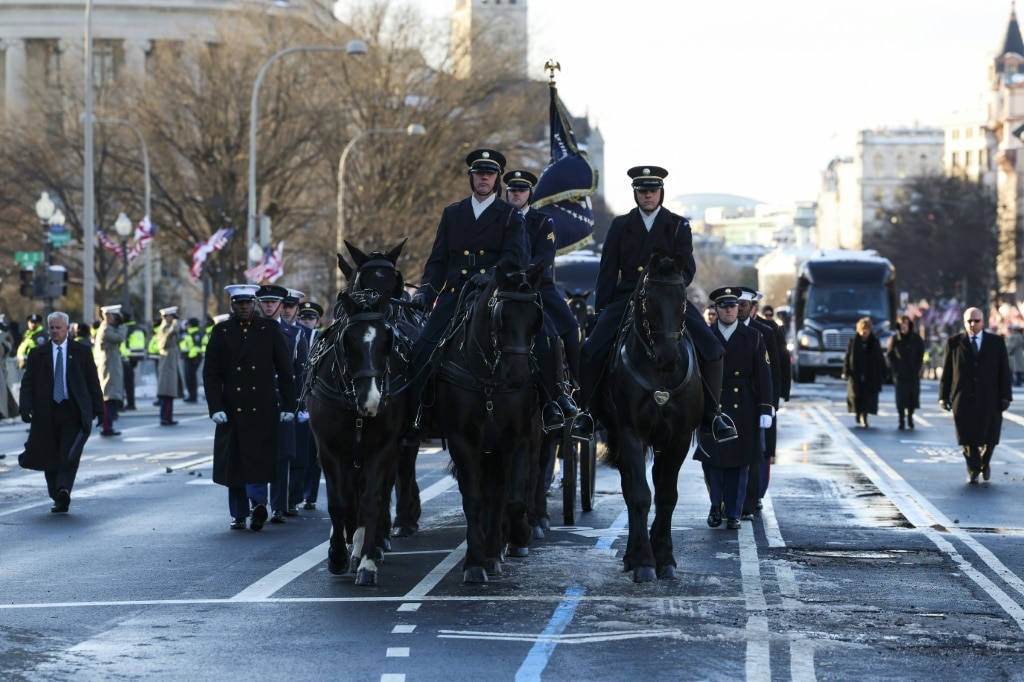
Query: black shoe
(722, 428)
(156, 403)
(747, 516)
(732, 524)
(130, 408)
(402, 531)
(238, 524)
(552, 417)
(278, 517)
(110, 433)
(168, 422)
(715, 516)
(190, 400)
(986, 472)
(583, 427)
(291, 511)
(61, 502)
(972, 479)
(910, 421)
(309, 505)
(568, 407)
(902, 426)
(259, 517)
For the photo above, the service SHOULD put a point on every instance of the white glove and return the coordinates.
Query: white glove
(773, 409)
(287, 416)
(302, 416)
(766, 421)
(219, 418)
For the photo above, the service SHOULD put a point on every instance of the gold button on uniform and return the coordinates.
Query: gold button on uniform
(466, 252)
(464, 272)
(482, 271)
(735, 390)
(639, 268)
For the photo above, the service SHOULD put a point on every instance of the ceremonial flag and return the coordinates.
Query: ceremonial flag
(143, 236)
(270, 268)
(202, 250)
(564, 188)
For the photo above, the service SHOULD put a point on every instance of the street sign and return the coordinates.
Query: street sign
(60, 238)
(28, 258)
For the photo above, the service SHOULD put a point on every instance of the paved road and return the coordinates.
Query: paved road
(870, 560)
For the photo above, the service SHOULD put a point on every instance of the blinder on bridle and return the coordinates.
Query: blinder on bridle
(377, 260)
(648, 334)
(367, 299)
(496, 303)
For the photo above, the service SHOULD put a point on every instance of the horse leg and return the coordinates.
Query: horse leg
(468, 474)
(539, 519)
(521, 470)
(665, 474)
(632, 471)
(337, 553)
(407, 493)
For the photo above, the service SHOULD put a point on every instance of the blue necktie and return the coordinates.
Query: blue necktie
(58, 378)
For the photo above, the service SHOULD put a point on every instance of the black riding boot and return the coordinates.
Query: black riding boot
(718, 424)
(562, 386)
(551, 412)
(589, 376)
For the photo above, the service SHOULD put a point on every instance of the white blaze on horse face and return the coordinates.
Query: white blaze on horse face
(372, 401)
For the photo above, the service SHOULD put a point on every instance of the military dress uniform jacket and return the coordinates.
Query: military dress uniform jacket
(746, 395)
(239, 377)
(37, 399)
(286, 431)
(974, 384)
(168, 378)
(107, 353)
(774, 364)
(540, 236)
(464, 246)
(627, 250)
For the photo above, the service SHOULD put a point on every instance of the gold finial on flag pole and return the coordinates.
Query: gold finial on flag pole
(551, 66)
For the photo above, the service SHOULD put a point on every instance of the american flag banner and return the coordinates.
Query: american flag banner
(270, 269)
(564, 188)
(109, 244)
(202, 250)
(143, 236)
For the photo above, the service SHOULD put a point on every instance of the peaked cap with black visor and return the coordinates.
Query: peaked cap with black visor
(646, 178)
(520, 179)
(486, 161)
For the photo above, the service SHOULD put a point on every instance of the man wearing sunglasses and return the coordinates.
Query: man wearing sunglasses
(975, 385)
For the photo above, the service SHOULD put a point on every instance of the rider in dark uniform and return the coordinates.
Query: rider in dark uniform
(627, 249)
(561, 333)
(474, 236)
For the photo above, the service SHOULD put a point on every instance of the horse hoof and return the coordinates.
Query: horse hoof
(402, 531)
(379, 555)
(476, 574)
(366, 577)
(538, 533)
(336, 567)
(667, 572)
(492, 566)
(644, 574)
(518, 552)
(545, 524)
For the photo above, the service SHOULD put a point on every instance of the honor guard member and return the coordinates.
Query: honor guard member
(757, 482)
(246, 364)
(300, 353)
(107, 352)
(133, 350)
(290, 306)
(304, 467)
(473, 236)
(191, 347)
(34, 336)
(270, 299)
(168, 379)
(746, 398)
(627, 250)
(561, 333)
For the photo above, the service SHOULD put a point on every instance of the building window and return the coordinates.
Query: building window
(955, 159)
(879, 166)
(901, 166)
(956, 133)
(967, 158)
(107, 60)
(52, 74)
(969, 133)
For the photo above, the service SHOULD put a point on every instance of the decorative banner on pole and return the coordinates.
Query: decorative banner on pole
(201, 250)
(564, 188)
(270, 269)
(144, 232)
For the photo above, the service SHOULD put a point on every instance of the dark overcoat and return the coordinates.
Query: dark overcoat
(286, 430)
(36, 399)
(746, 395)
(864, 368)
(906, 355)
(771, 346)
(975, 384)
(464, 246)
(785, 361)
(540, 237)
(239, 377)
(626, 252)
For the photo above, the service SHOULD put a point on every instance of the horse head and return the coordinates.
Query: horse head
(366, 342)
(580, 309)
(509, 321)
(659, 309)
(377, 271)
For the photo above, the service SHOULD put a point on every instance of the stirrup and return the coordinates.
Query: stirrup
(568, 407)
(552, 417)
(582, 427)
(723, 429)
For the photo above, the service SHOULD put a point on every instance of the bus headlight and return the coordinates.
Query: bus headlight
(808, 340)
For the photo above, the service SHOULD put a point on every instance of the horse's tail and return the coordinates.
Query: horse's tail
(606, 454)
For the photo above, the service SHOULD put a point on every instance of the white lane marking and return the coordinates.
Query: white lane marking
(397, 652)
(403, 629)
(758, 658)
(925, 516)
(553, 639)
(771, 523)
(392, 677)
(408, 607)
(435, 576)
(275, 580)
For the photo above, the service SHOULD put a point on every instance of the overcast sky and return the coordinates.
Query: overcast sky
(751, 97)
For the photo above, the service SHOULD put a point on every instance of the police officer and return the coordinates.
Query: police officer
(191, 347)
(107, 353)
(746, 398)
(34, 336)
(474, 236)
(246, 361)
(133, 350)
(627, 249)
(561, 334)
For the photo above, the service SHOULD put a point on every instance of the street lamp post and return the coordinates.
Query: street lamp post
(412, 129)
(49, 216)
(123, 225)
(88, 190)
(353, 47)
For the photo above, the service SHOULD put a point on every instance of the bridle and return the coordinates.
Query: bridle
(642, 322)
(495, 323)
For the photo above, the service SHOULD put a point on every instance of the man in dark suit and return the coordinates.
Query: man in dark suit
(975, 385)
(474, 235)
(627, 250)
(60, 398)
(246, 355)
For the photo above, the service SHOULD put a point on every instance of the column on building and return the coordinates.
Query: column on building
(135, 51)
(14, 72)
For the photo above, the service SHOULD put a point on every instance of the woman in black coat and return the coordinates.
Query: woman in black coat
(906, 355)
(864, 369)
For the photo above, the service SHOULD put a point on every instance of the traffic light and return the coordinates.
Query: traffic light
(56, 282)
(27, 287)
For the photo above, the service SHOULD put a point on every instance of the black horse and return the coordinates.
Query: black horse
(485, 401)
(581, 310)
(651, 398)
